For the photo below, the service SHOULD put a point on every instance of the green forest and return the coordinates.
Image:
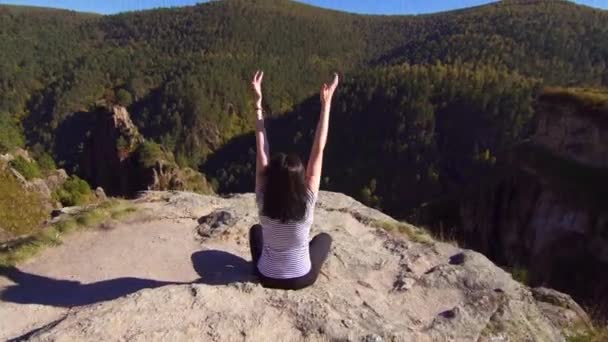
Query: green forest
(426, 105)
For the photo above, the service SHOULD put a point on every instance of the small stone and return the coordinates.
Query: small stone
(100, 194)
(404, 284)
(364, 284)
(108, 225)
(243, 287)
(347, 323)
(217, 218)
(379, 265)
(193, 291)
(431, 270)
(450, 314)
(215, 224)
(458, 259)
(372, 338)
(56, 179)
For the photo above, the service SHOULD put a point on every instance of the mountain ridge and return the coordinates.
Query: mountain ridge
(303, 5)
(144, 53)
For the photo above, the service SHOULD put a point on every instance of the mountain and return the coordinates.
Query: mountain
(183, 72)
(430, 106)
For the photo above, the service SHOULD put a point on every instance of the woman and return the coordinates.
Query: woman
(286, 196)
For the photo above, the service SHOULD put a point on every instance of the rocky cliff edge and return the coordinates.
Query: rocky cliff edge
(377, 285)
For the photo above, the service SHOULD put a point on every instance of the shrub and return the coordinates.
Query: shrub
(27, 169)
(122, 144)
(45, 162)
(149, 152)
(124, 98)
(20, 211)
(411, 232)
(598, 333)
(11, 135)
(74, 191)
(91, 217)
(195, 181)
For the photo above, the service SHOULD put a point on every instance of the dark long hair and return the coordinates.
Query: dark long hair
(285, 196)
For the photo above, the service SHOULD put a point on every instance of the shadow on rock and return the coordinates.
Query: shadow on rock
(36, 289)
(213, 266)
(220, 268)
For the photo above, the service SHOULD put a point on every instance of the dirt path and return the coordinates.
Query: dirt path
(94, 266)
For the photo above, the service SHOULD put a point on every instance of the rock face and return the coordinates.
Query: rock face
(106, 161)
(573, 131)
(118, 158)
(375, 286)
(547, 212)
(46, 186)
(559, 239)
(42, 186)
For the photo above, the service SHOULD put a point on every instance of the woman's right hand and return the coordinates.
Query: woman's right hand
(256, 84)
(327, 91)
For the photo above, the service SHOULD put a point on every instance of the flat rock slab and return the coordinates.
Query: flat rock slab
(155, 281)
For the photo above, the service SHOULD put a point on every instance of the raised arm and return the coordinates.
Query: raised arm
(263, 151)
(315, 161)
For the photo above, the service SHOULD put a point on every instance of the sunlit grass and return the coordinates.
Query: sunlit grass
(51, 235)
(590, 97)
(596, 333)
(21, 212)
(411, 232)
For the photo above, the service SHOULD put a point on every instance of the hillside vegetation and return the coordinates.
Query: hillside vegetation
(400, 135)
(433, 96)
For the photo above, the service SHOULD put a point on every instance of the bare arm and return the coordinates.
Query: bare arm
(263, 151)
(315, 161)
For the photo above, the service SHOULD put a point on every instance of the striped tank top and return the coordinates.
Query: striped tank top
(285, 254)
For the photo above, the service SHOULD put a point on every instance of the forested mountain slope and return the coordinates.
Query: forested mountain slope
(183, 71)
(400, 135)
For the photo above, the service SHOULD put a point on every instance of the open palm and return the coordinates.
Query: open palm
(327, 91)
(256, 84)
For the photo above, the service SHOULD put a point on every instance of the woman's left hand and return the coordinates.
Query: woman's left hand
(327, 91)
(256, 83)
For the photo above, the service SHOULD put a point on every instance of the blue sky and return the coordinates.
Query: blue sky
(358, 6)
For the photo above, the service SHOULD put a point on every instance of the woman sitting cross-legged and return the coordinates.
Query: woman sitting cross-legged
(286, 193)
